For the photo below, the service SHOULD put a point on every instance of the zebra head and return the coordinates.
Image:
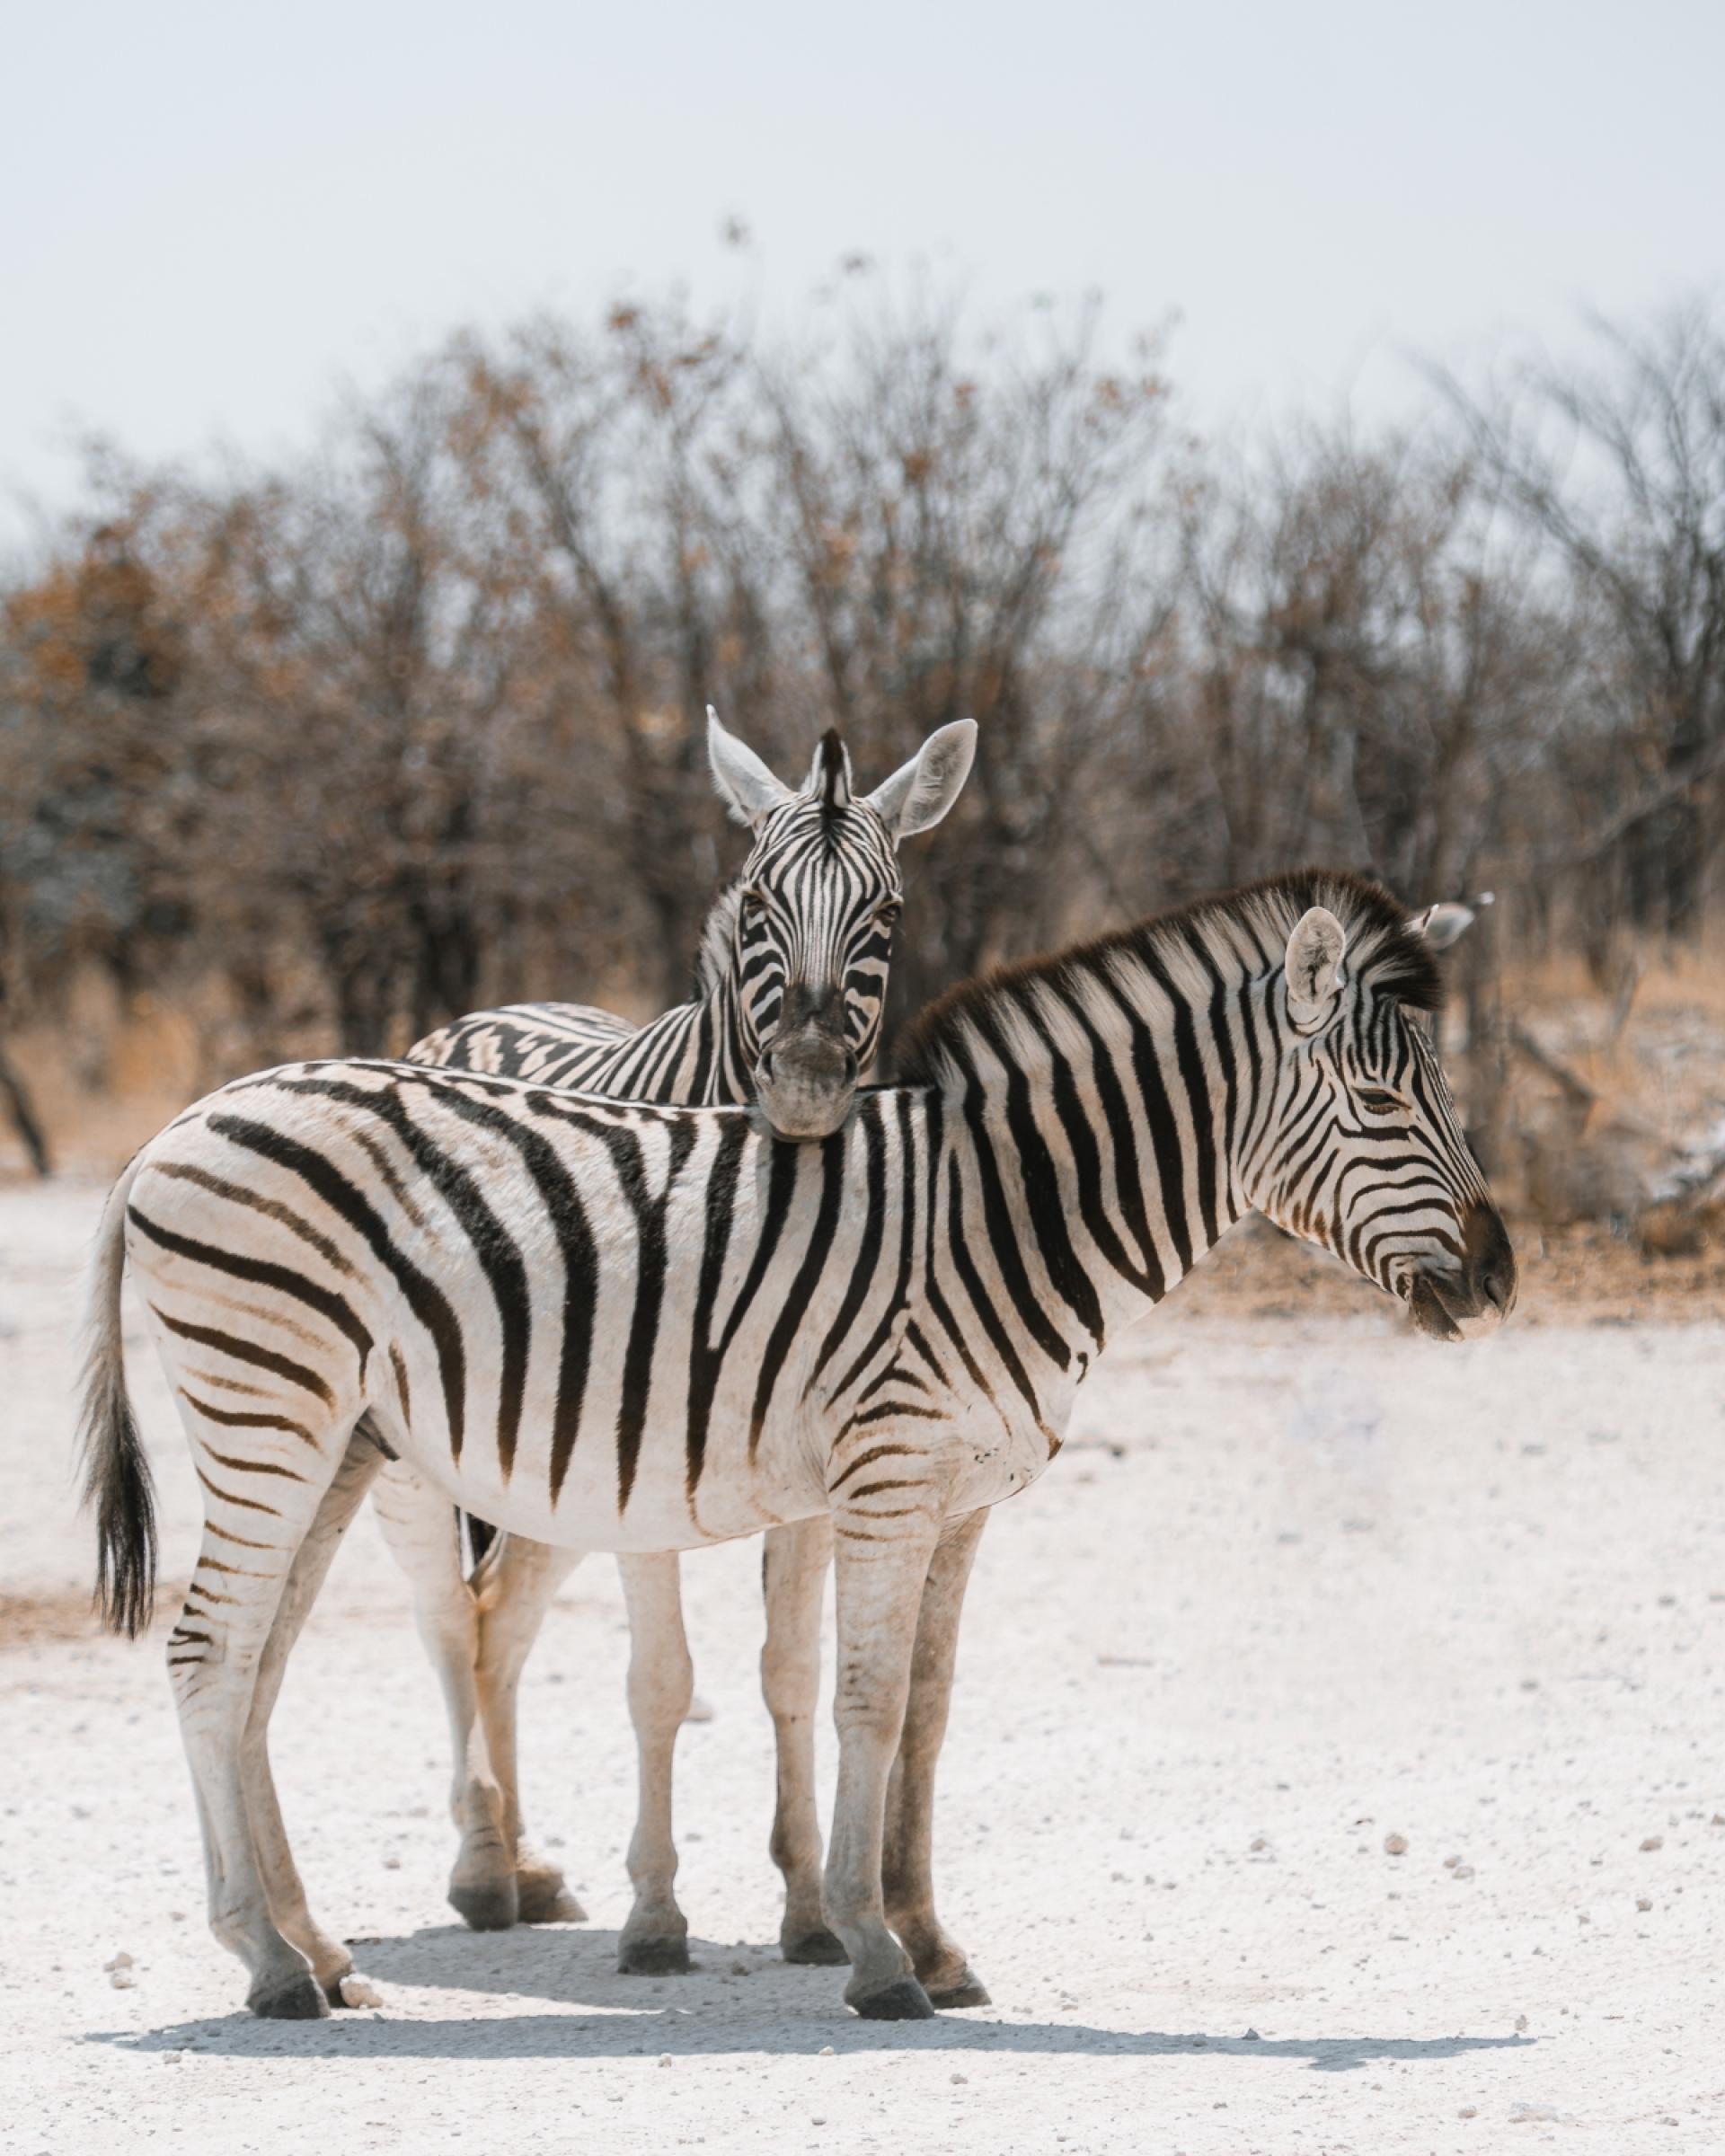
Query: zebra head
(1363, 1150)
(811, 933)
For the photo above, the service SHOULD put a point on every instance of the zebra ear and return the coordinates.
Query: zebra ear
(1443, 924)
(919, 793)
(1315, 975)
(746, 786)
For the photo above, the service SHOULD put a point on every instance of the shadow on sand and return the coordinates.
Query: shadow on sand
(739, 1998)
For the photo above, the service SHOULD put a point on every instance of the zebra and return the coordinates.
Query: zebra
(612, 1325)
(790, 981)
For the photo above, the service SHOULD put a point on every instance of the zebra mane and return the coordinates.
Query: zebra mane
(1187, 945)
(714, 952)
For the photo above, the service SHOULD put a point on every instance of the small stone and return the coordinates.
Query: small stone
(1252, 2036)
(739, 1968)
(1468, 2111)
(1463, 1872)
(359, 1990)
(826, 2051)
(122, 1980)
(959, 2079)
(120, 1961)
(1653, 1842)
(1451, 1862)
(392, 1863)
(1642, 1903)
(664, 2058)
(1521, 2025)
(1396, 1845)
(1259, 1842)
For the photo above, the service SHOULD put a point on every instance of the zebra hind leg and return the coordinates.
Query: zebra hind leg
(793, 1579)
(421, 1531)
(257, 1514)
(655, 1940)
(331, 1961)
(513, 1588)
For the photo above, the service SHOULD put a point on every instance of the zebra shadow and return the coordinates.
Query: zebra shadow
(739, 1998)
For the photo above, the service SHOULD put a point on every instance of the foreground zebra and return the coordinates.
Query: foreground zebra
(791, 989)
(640, 1329)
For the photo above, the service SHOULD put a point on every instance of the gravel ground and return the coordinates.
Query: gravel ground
(1335, 1765)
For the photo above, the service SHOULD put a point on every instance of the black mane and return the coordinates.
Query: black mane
(1382, 948)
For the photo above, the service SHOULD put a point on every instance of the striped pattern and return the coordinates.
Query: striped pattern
(618, 1325)
(644, 1327)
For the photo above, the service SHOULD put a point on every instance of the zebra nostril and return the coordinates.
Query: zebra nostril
(851, 1066)
(1499, 1289)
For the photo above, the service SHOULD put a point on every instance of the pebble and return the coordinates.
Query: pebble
(1463, 1872)
(1396, 1845)
(359, 1990)
(664, 2058)
(120, 1961)
(1468, 2111)
(1643, 1904)
(826, 2051)
(1652, 1841)
(122, 1980)
(959, 2079)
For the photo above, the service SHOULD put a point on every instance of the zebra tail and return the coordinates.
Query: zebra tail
(117, 1479)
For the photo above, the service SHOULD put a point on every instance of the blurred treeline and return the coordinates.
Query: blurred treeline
(340, 749)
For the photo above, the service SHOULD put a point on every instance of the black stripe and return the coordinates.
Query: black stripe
(804, 1286)
(705, 1358)
(868, 1255)
(244, 1351)
(426, 1302)
(261, 1274)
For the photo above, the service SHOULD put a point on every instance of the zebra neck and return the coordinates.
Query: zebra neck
(1104, 1107)
(721, 1022)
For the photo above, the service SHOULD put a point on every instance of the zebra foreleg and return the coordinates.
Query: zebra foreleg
(882, 1562)
(513, 1588)
(331, 1960)
(907, 1866)
(793, 1579)
(655, 1940)
(420, 1527)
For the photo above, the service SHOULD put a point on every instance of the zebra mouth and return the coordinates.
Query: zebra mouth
(1430, 1311)
(805, 1087)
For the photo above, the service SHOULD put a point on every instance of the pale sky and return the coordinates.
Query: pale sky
(214, 214)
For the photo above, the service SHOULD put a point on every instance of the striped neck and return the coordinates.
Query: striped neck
(1105, 1100)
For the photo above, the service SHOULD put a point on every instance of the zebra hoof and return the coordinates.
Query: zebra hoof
(965, 1991)
(541, 1897)
(291, 1998)
(902, 2000)
(652, 1957)
(490, 1905)
(818, 1947)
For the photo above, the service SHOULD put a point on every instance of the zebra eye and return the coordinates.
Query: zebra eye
(753, 903)
(887, 912)
(1379, 1101)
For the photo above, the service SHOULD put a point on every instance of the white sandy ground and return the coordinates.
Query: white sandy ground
(1335, 1583)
